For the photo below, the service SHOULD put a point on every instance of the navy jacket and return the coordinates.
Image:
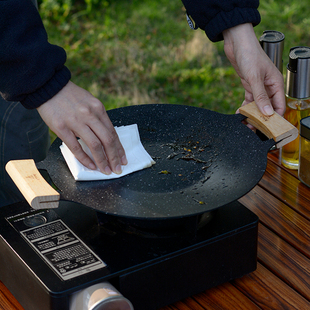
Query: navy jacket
(215, 16)
(32, 70)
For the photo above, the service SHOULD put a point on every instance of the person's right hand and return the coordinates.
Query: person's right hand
(74, 112)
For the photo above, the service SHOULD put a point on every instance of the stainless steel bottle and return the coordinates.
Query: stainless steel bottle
(272, 42)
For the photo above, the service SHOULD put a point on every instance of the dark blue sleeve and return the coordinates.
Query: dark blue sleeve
(32, 70)
(215, 16)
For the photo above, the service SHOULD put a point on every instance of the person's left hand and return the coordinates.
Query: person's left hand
(260, 78)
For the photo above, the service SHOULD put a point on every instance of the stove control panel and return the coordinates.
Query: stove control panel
(58, 246)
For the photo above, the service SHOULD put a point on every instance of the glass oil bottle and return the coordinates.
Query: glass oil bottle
(297, 100)
(304, 151)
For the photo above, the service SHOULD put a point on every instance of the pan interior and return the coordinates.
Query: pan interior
(204, 160)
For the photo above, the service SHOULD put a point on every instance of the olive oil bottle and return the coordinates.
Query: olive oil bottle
(297, 99)
(296, 109)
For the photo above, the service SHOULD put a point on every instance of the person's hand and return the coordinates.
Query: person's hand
(260, 78)
(74, 112)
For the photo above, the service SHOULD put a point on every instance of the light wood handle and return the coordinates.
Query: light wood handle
(274, 127)
(38, 193)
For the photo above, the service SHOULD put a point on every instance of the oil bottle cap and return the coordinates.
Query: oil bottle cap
(298, 73)
(305, 127)
(272, 43)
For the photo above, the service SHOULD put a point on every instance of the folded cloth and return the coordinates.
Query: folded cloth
(137, 156)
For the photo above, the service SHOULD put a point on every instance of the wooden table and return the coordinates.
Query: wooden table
(282, 278)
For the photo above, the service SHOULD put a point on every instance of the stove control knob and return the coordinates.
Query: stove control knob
(102, 296)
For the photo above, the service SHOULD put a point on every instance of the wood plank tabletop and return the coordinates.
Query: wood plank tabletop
(282, 277)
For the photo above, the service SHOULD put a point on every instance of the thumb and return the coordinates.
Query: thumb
(262, 101)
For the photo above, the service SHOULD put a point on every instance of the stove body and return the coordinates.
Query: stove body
(47, 255)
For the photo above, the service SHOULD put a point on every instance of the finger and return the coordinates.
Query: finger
(101, 138)
(75, 147)
(104, 130)
(109, 142)
(114, 138)
(278, 102)
(68, 134)
(97, 150)
(261, 98)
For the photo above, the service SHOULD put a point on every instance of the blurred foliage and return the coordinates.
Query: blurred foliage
(132, 52)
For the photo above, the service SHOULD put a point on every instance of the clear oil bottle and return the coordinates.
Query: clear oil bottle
(296, 109)
(297, 100)
(304, 154)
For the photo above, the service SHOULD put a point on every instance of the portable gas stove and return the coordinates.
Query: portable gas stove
(47, 255)
(157, 235)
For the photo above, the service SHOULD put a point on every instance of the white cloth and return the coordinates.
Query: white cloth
(137, 156)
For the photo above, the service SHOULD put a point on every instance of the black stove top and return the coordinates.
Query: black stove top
(58, 252)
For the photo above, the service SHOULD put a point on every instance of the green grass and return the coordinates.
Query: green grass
(133, 52)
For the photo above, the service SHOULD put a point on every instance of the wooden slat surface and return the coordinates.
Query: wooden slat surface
(7, 300)
(269, 292)
(284, 261)
(286, 188)
(223, 297)
(280, 218)
(282, 278)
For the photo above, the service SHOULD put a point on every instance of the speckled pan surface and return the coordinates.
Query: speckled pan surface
(204, 160)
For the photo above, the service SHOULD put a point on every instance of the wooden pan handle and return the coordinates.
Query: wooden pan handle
(38, 193)
(274, 127)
